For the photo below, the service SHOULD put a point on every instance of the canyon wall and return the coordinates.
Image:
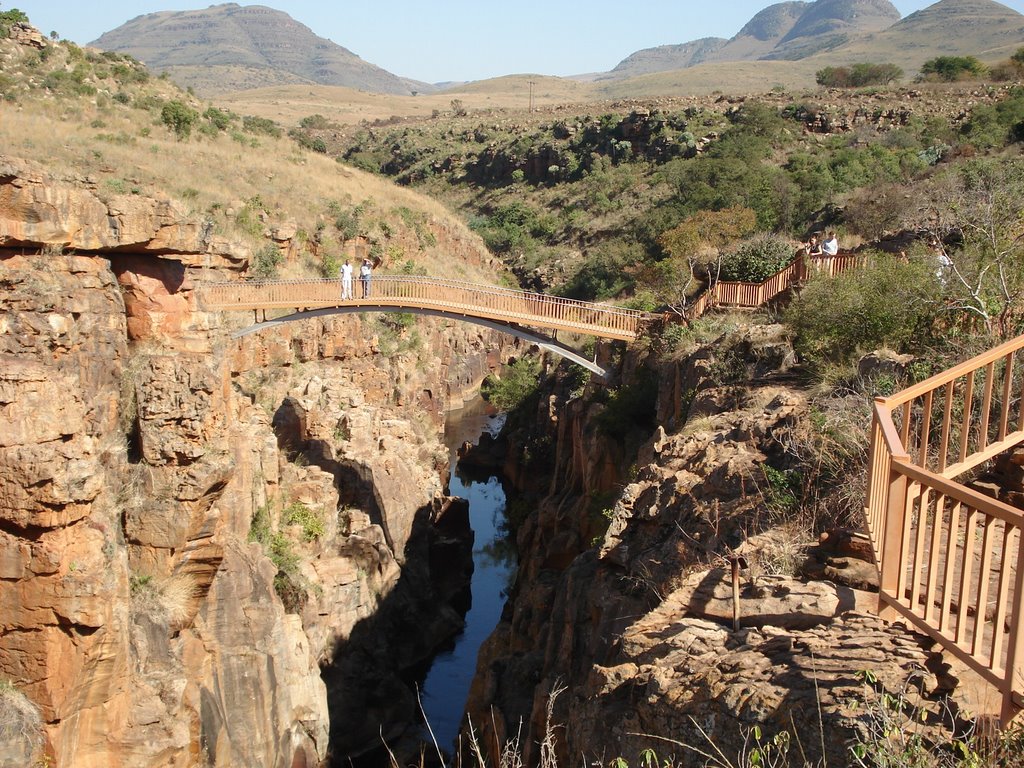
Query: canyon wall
(192, 527)
(618, 637)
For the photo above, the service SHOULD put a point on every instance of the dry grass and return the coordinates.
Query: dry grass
(288, 104)
(122, 151)
(168, 599)
(20, 723)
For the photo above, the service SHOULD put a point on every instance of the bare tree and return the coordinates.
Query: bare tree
(976, 228)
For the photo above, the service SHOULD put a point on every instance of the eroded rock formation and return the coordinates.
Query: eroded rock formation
(191, 527)
(619, 634)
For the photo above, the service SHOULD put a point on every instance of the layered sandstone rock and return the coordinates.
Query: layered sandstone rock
(620, 629)
(139, 447)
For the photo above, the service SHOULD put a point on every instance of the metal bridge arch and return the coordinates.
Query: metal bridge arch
(545, 342)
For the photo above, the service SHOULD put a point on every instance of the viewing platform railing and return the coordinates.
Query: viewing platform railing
(950, 559)
(727, 293)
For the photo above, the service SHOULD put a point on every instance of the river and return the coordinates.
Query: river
(446, 685)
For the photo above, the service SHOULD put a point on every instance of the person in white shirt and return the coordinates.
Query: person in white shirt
(365, 272)
(831, 246)
(346, 280)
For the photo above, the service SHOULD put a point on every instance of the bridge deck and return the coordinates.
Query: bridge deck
(449, 296)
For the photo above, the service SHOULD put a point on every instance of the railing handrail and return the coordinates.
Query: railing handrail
(915, 514)
(784, 279)
(479, 288)
(933, 383)
(897, 452)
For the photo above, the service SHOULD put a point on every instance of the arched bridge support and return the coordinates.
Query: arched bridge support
(542, 341)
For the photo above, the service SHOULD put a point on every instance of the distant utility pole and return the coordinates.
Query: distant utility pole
(530, 83)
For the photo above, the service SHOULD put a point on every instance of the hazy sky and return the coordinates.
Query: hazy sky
(441, 40)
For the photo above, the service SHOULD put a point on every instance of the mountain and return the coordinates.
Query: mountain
(762, 33)
(783, 31)
(232, 47)
(982, 28)
(665, 58)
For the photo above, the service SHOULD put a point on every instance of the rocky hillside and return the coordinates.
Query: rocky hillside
(619, 626)
(233, 47)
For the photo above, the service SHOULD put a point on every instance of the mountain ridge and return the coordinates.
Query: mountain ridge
(229, 48)
(270, 45)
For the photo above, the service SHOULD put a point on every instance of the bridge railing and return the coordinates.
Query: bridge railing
(457, 296)
(950, 559)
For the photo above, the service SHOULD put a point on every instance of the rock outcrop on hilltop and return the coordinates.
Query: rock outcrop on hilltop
(190, 528)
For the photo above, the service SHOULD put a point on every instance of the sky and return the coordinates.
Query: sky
(456, 40)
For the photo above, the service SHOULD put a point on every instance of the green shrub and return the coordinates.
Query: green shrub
(266, 261)
(630, 408)
(312, 523)
(288, 582)
(951, 68)
(219, 118)
(10, 18)
(518, 384)
(179, 117)
(757, 259)
(887, 303)
(261, 125)
(858, 76)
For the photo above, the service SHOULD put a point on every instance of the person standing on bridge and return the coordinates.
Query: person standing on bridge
(346, 280)
(365, 274)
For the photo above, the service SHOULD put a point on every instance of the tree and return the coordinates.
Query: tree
(179, 118)
(976, 227)
(951, 68)
(694, 250)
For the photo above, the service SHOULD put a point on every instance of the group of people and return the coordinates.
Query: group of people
(815, 247)
(365, 275)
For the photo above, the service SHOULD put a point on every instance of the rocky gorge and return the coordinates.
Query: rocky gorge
(224, 552)
(192, 528)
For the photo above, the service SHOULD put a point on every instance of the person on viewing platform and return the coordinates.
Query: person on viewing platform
(813, 247)
(365, 274)
(346, 280)
(831, 246)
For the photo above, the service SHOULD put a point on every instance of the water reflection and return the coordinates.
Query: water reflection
(446, 685)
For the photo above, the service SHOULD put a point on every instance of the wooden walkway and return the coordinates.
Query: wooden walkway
(450, 297)
(726, 293)
(950, 559)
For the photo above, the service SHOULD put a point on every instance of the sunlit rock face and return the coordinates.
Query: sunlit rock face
(158, 478)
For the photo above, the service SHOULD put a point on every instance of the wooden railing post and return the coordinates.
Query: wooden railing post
(890, 567)
(1014, 690)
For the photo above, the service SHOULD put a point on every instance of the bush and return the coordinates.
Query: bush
(519, 384)
(887, 303)
(261, 125)
(219, 118)
(858, 76)
(10, 18)
(179, 118)
(757, 259)
(951, 68)
(312, 523)
(266, 261)
(630, 408)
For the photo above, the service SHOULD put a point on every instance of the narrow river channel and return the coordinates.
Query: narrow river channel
(446, 686)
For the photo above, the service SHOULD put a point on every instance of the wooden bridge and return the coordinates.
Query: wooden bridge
(505, 309)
